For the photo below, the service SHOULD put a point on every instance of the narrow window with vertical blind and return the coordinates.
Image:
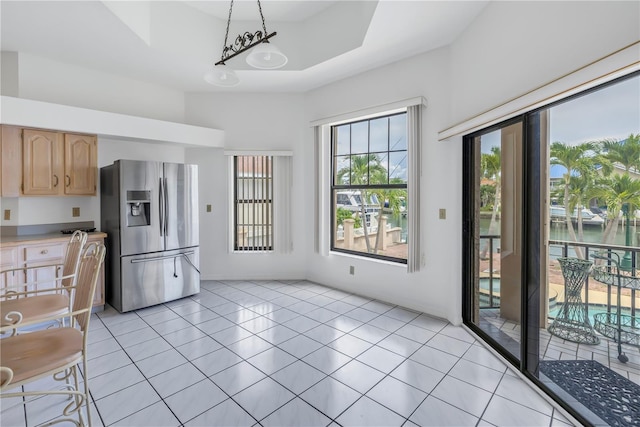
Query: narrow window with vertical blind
(253, 203)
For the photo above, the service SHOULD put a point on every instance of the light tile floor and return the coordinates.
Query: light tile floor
(291, 353)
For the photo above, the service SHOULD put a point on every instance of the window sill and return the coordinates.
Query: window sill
(369, 259)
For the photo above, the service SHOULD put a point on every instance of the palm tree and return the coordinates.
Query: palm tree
(490, 165)
(626, 152)
(394, 197)
(362, 168)
(617, 191)
(580, 192)
(577, 160)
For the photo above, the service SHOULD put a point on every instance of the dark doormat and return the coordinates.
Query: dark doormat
(609, 395)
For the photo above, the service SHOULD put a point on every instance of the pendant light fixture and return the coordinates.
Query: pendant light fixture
(264, 56)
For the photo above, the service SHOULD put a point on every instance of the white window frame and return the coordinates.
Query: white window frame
(336, 186)
(322, 175)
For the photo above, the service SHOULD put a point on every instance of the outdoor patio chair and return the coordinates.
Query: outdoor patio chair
(34, 302)
(56, 352)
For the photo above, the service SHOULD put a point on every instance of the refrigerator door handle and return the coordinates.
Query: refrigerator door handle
(162, 205)
(166, 208)
(161, 257)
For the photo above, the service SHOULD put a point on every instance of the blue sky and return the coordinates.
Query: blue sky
(611, 113)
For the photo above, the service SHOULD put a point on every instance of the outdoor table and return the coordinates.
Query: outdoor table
(572, 323)
(622, 328)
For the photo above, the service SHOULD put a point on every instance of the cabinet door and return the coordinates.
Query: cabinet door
(9, 260)
(41, 163)
(11, 163)
(80, 164)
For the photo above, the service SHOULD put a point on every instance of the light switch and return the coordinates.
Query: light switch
(75, 211)
(7, 214)
(208, 208)
(442, 214)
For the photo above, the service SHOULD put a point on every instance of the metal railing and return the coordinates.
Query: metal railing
(494, 302)
(561, 248)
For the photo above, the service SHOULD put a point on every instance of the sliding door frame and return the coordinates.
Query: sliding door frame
(528, 362)
(532, 241)
(469, 226)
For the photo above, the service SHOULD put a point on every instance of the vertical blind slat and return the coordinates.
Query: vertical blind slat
(262, 211)
(253, 205)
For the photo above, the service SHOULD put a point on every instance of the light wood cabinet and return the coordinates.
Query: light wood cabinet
(36, 162)
(80, 164)
(42, 159)
(11, 160)
(38, 256)
(9, 260)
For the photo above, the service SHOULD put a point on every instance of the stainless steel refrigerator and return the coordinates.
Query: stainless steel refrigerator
(149, 211)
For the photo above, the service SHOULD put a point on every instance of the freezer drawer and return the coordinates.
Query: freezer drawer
(152, 279)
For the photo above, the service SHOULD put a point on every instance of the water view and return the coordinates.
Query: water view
(592, 234)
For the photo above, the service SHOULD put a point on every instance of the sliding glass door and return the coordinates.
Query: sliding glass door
(495, 233)
(551, 248)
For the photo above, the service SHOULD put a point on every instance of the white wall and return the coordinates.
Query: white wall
(514, 47)
(436, 287)
(251, 122)
(49, 209)
(9, 75)
(114, 149)
(44, 79)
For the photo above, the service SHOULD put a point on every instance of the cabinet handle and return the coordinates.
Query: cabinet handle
(67, 180)
(44, 251)
(56, 183)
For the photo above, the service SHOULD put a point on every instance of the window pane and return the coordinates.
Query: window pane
(398, 167)
(343, 172)
(379, 139)
(379, 168)
(385, 217)
(398, 132)
(360, 137)
(344, 139)
(368, 201)
(360, 169)
(241, 187)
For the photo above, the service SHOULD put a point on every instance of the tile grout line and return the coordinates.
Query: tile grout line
(304, 334)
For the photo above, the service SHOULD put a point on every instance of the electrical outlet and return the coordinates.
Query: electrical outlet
(208, 208)
(7, 214)
(352, 270)
(75, 211)
(442, 214)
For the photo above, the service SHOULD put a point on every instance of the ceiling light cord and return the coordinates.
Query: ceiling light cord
(264, 27)
(226, 35)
